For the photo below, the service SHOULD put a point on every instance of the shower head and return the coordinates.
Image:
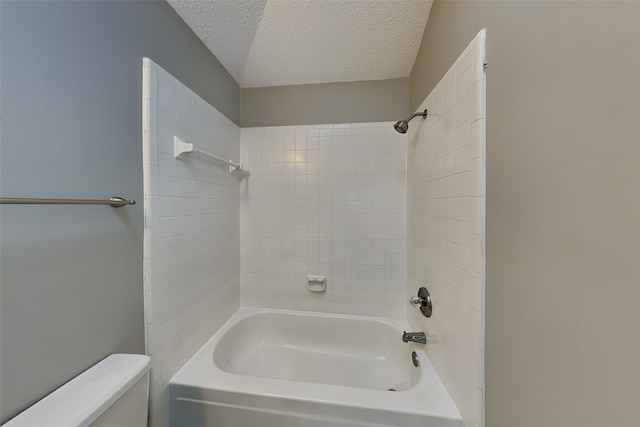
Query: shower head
(403, 125)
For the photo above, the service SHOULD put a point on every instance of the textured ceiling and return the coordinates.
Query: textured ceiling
(290, 42)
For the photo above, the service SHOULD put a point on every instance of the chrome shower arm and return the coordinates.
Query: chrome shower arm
(420, 113)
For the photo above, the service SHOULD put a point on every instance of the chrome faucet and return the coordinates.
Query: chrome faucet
(417, 337)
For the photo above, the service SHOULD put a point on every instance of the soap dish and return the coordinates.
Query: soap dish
(316, 283)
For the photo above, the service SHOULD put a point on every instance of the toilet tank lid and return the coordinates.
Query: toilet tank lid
(80, 401)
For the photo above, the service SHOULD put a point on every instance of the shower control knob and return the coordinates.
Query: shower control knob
(417, 302)
(423, 301)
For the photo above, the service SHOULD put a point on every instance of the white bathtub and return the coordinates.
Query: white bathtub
(275, 368)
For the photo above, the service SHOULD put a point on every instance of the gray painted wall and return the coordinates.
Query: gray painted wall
(71, 105)
(350, 102)
(563, 204)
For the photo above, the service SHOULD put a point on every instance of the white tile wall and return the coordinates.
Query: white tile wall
(325, 200)
(446, 204)
(191, 235)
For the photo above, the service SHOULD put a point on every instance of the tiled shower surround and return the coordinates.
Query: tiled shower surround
(325, 200)
(446, 203)
(191, 235)
(337, 200)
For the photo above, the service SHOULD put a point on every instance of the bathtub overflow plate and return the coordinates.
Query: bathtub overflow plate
(414, 359)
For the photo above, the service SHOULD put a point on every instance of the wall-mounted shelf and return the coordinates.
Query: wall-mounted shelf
(181, 148)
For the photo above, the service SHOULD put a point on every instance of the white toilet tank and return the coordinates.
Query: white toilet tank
(113, 393)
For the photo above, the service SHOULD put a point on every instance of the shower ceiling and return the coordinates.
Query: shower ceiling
(291, 42)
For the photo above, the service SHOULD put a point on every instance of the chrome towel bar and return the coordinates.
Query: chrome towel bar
(114, 202)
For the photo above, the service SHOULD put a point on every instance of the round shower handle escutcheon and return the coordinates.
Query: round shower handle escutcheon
(423, 301)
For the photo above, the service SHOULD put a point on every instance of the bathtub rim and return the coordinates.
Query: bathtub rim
(428, 397)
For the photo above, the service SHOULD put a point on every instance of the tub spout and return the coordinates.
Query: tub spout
(417, 337)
